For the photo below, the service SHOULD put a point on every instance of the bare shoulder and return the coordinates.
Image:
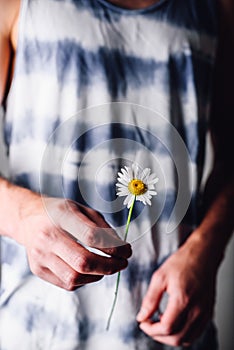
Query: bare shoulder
(9, 12)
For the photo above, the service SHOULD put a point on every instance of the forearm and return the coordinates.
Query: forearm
(13, 201)
(217, 225)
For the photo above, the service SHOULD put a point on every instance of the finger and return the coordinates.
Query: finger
(121, 251)
(91, 229)
(171, 339)
(47, 275)
(57, 272)
(179, 333)
(171, 321)
(95, 217)
(175, 339)
(70, 277)
(84, 261)
(151, 301)
(112, 238)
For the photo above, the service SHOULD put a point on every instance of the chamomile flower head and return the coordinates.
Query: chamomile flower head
(136, 183)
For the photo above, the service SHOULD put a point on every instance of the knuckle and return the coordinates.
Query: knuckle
(36, 253)
(98, 237)
(43, 236)
(97, 217)
(110, 268)
(110, 271)
(37, 269)
(82, 264)
(183, 300)
(89, 236)
(70, 288)
(158, 277)
(121, 249)
(186, 299)
(71, 280)
(115, 266)
(167, 329)
(175, 342)
(128, 250)
(61, 204)
(197, 311)
(148, 301)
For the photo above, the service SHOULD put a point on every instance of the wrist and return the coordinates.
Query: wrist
(206, 244)
(14, 200)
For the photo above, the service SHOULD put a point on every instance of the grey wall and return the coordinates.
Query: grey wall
(224, 311)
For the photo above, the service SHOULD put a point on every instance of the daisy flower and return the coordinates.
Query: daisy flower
(136, 184)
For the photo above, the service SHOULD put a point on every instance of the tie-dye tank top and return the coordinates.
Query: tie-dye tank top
(97, 87)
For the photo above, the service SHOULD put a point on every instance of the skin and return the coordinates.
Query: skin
(132, 5)
(189, 275)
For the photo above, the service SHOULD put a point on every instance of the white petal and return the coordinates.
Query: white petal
(125, 172)
(145, 175)
(153, 193)
(128, 200)
(145, 198)
(123, 181)
(121, 185)
(142, 200)
(148, 201)
(135, 171)
(122, 192)
(125, 192)
(130, 173)
(121, 188)
(124, 177)
(150, 186)
(152, 179)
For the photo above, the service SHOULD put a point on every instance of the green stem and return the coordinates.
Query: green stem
(129, 219)
(118, 276)
(114, 301)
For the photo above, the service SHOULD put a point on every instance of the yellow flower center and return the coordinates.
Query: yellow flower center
(137, 187)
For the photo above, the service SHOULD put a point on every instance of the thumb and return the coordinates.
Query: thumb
(151, 301)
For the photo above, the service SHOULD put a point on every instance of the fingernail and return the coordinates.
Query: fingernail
(141, 314)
